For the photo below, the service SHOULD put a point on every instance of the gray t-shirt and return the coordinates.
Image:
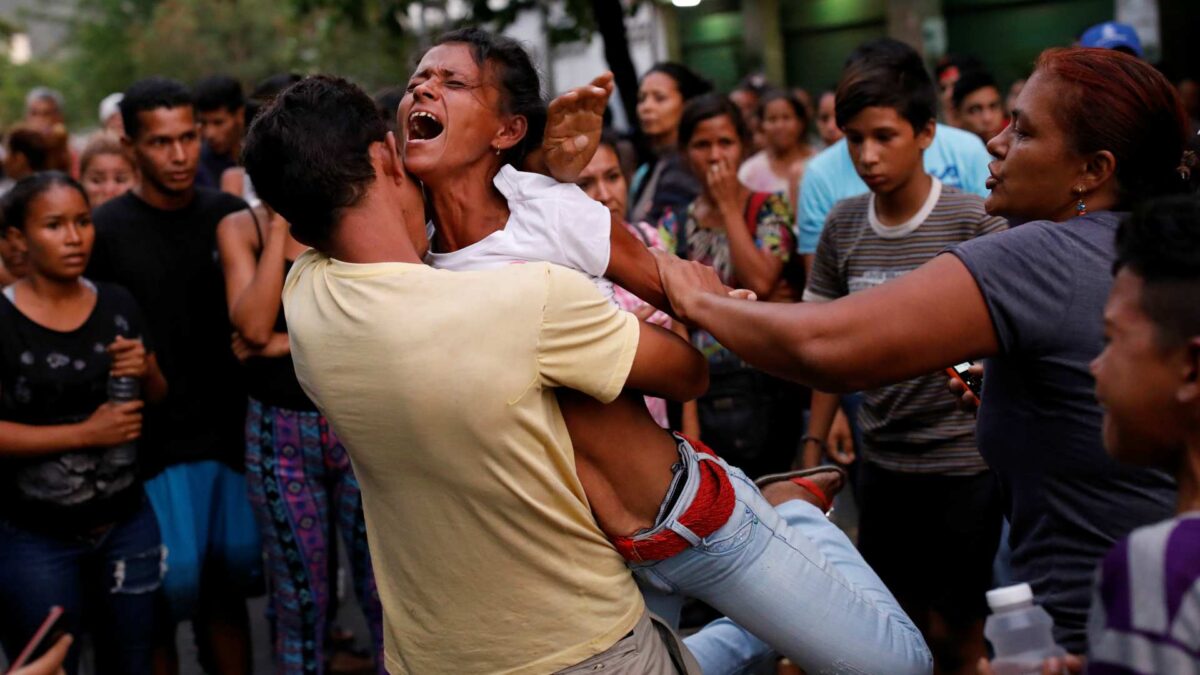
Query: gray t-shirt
(1045, 285)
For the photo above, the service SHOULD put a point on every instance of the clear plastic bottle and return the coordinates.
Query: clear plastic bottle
(123, 390)
(1021, 633)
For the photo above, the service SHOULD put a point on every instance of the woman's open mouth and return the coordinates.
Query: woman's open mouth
(423, 126)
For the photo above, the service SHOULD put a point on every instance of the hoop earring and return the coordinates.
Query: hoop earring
(1080, 208)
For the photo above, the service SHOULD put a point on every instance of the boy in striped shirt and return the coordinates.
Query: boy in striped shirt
(930, 509)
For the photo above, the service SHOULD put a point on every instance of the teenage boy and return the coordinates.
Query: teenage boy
(159, 240)
(1145, 615)
(980, 107)
(922, 484)
(221, 112)
(955, 157)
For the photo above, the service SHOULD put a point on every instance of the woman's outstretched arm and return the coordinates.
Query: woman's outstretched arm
(928, 319)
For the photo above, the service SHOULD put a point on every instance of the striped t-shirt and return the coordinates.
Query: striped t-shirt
(914, 426)
(1145, 615)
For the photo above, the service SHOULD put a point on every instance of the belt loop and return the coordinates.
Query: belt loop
(683, 531)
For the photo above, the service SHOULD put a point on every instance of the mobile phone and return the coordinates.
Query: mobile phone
(962, 373)
(49, 633)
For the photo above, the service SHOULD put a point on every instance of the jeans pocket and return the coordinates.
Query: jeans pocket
(138, 573)
(734, 535)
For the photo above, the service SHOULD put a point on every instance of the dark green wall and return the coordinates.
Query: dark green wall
(819, 34)
(1008, 35)
(711, 40)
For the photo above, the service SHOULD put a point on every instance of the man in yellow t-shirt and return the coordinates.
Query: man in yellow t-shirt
(441, 386)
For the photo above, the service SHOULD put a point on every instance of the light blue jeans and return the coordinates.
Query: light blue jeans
(789, 577)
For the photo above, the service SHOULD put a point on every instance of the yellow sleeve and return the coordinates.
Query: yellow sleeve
(586, 343)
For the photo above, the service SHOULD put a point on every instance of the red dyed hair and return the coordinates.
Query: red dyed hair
(1116, 102)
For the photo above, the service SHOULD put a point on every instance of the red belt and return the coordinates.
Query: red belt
(710, 509)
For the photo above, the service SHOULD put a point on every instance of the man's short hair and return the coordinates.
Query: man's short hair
(1160, 243)
(969, 83)
(886, 73)
(308, 153)
(151, 93)
(218, 91)
(39, 93)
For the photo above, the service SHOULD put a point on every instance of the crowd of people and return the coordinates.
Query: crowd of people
(541, 384)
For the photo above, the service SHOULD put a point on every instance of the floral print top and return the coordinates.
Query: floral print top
(772, 233)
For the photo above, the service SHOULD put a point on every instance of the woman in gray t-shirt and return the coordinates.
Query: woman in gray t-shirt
(1094, 132)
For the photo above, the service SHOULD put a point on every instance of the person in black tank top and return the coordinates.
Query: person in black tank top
(76, 529)
(301, 485)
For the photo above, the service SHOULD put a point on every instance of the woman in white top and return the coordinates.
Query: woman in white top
(779, 166)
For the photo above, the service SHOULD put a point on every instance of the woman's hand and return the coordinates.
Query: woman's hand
(129, 358)
(573, 125)
(50, 663)
(113, 424)
(685, 282)
(725, 190)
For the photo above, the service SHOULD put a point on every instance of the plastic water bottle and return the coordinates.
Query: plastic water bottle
(1020, 632)
(123, 390)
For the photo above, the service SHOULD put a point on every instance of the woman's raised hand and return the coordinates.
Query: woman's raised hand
(724, 188)
(573, 125)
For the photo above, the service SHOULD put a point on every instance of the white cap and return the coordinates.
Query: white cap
(1002, 598)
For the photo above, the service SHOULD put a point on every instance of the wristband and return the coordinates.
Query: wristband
(822, 443)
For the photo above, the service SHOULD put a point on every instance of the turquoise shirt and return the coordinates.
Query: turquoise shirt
(956, 157)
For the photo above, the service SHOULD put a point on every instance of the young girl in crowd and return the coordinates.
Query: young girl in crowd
(747, 416)
(76, 529)
(106, 169)
(780, 165)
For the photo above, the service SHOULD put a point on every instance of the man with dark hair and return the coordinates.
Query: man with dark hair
(159, 241)
(221, 111)
(978, 104)
(471, 459)
(922, 482)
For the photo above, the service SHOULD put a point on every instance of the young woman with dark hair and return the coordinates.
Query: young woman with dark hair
(664, 182)
(779, 166)
(76, 529)
(644, 485)
(747, 416)
(1094, 133)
